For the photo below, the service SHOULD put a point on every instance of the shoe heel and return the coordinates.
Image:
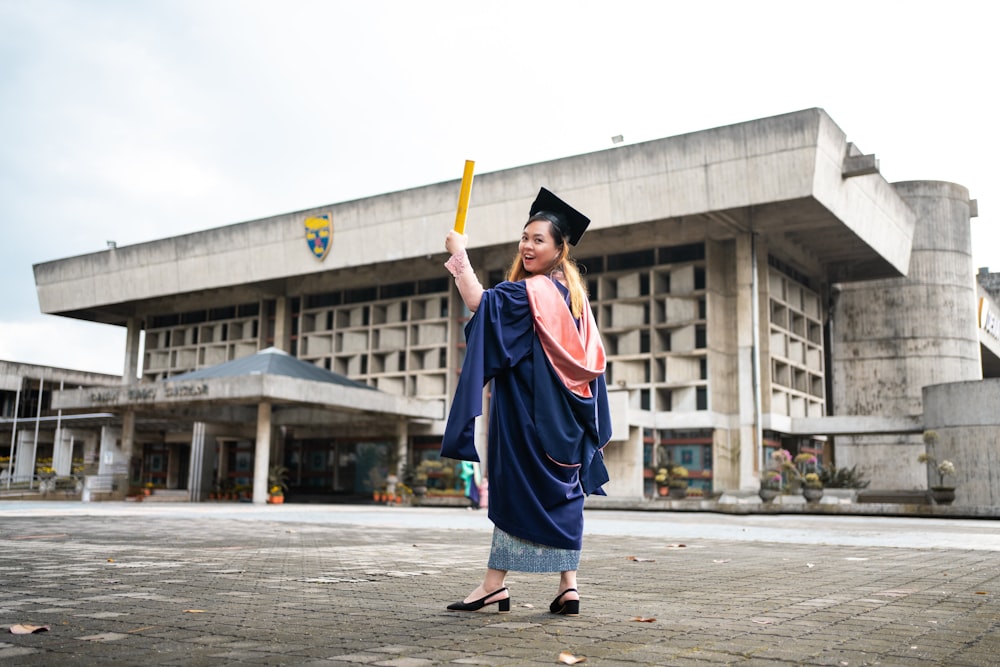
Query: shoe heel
(503, 606)
(571, 608)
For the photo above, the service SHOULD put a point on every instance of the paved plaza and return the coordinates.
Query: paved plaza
(211, 584)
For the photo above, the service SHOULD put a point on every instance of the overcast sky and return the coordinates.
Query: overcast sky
(134, 120)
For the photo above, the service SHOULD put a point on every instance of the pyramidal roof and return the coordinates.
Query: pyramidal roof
(271, 361)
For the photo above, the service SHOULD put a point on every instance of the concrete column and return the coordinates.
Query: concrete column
(127, 447)
(131, 369)
(24, 457)
(173, 465)
(262, 454)
(202, 462)
(62, 453)
(896, 336)
(111, 460)
(623, 459)
(402, 440)
(283, 324)
(746, 461)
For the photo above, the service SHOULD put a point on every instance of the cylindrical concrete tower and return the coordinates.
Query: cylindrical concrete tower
(890, 338)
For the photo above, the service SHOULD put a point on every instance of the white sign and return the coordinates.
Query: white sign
(989, 321)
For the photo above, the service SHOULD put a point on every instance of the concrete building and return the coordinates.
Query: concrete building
(39, 441)
(757, 286)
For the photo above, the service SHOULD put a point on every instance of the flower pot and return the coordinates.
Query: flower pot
(768, 495)
(276, 500)
(663, 491)
(678, 492)
(943, 495)
(812, 495)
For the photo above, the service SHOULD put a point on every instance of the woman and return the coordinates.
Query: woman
(534, 335)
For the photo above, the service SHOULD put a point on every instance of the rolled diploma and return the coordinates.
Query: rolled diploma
(463, 197)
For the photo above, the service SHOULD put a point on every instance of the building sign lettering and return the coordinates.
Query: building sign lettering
(105, 396)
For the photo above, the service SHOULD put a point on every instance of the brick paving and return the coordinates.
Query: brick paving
(199, 590)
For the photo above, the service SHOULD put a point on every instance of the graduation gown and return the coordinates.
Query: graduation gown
(545, 440)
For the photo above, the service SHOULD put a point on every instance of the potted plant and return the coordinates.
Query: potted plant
(277, 484)
(941, 493)
(678, 482)
(672, 480)
(812, 487)
(770, 485)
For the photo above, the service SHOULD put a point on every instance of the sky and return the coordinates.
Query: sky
(136, 120)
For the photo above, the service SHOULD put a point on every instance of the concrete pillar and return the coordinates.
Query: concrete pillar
(173, 465)
(111, 460)
(202, 462)
(402, 440)
(262, 454)
(24, 457)
(891, 338)
(132, 335)
(127, 450)
(749, 454)
(62, 453)
(283, 324)
(623, 459)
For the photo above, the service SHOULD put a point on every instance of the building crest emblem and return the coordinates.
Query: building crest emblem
(319, 234)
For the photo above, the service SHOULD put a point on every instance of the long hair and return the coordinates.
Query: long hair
(565, 263)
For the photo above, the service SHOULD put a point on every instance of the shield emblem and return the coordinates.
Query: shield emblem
(319, 234)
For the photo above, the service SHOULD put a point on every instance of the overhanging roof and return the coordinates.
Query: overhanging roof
(794, 179)
(300, 393)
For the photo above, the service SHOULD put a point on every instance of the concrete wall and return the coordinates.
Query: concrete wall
(891, 338)
(792, 157)
(966, 417)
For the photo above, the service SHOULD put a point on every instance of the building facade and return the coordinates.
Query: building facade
(758, 286)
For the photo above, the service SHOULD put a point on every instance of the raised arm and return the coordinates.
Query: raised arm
(458, 265)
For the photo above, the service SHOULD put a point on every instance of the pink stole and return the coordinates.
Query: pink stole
(576, 354)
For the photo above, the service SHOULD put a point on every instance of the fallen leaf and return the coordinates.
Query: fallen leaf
(810, 565)
(528, 605)
(640, 560)
(194, 611)
(111, 560)
(722, 560)
(570, 659)
(26, 629)
(148, 627)
(763, 621)
(643, 619)
(676, 546)
(981, 593)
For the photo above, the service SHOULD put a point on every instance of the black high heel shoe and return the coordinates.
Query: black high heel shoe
(565, 607)
(503, 605)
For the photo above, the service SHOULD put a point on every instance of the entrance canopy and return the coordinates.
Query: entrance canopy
(300, 393)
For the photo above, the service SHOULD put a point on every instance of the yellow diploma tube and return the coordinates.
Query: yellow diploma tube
(463, 197)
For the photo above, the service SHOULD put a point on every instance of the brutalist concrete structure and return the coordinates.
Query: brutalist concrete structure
(758, 286)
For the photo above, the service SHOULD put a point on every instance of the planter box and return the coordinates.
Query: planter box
(441, 501)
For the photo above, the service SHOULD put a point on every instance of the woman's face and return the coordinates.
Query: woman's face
(538, 248)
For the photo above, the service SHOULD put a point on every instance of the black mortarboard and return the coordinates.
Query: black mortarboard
(571, 223)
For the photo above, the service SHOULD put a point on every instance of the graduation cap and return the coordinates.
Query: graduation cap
(570, 222)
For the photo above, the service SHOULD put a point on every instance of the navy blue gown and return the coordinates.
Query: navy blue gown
(544, 442)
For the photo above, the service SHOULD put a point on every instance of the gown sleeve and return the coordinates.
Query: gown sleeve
(497, 337)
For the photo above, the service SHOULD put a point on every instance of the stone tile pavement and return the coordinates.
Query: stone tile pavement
(198, 589)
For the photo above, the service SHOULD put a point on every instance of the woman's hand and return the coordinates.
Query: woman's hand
(455, 243)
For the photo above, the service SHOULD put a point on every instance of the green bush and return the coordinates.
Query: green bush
(843, 478)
